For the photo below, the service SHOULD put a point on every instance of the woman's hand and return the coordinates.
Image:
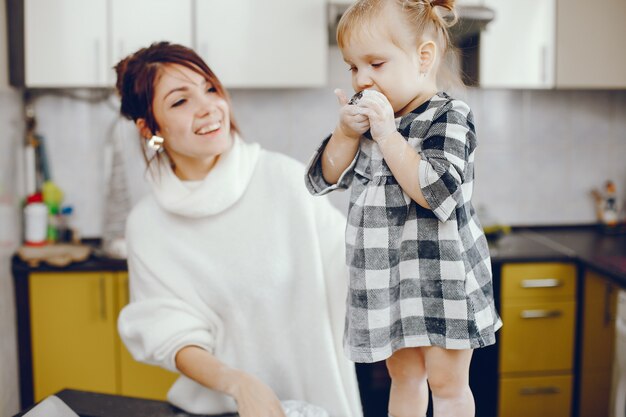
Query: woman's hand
(352, 123)
(379, 112)
(254, 398)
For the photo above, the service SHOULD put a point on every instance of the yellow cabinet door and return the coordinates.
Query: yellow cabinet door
(538, 337)
(548, 396)
(598, 340)
(73, 332)
(539, 281)
(138, 379)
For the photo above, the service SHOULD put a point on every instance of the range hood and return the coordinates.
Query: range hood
(465, 34)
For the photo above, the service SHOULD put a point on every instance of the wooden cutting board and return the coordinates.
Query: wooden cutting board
(55, 255)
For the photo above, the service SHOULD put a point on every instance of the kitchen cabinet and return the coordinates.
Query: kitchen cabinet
(4, 58)
(138, 23)
(73, 43)
(73, 332)
(538, 307)
(540, 44)
(64, 43)
(74, 339)
(76, 43)
(273, 43)
(598, 342)
(517, 47)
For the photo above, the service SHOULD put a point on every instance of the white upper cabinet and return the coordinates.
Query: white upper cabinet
(591, 36)
(269, 43)
(517, 47)
(554, 44)
(249, 43)
(65, 43)
(138, 23)
(76, 43)
(4, 53)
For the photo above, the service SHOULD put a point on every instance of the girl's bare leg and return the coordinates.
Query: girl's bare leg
(448, 377)
(409, 390)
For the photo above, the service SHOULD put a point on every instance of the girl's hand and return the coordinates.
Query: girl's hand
(379, 112)
(352, 123)
(254, 398)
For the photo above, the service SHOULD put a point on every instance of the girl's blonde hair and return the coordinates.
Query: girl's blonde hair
(428, 19)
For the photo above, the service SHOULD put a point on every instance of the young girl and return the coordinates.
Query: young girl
(420, 287)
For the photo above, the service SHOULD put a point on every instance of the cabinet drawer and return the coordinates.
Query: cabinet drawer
(536, 397)
(538, 280)
(537, 337)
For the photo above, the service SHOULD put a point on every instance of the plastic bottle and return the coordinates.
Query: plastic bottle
(53, 224)
(35, 221)
(66, 233)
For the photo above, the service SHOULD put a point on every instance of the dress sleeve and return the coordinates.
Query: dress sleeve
(446, 150)
(314, 180)
(157, 323)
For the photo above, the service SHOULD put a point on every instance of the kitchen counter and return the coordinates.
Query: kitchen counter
(89, 404)
(585, 245)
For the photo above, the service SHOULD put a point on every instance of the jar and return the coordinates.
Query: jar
(35, 224)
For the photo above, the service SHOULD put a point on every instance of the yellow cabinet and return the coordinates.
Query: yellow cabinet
(598, 340)
(138, 379)
(538, 307)
(539, 337)
(536, 396)
(74, 342)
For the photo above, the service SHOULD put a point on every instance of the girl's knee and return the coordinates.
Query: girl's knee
(447, 385)
(406, 365)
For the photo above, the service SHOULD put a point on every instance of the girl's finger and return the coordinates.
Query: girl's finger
(341, 97)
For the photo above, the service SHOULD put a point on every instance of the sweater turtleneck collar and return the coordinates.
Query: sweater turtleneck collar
(220, 189)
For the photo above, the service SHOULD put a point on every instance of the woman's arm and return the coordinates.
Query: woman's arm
(253, 397)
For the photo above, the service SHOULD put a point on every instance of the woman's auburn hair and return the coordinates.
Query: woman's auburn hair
(138, 73)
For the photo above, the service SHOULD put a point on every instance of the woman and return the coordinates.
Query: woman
(230, 260)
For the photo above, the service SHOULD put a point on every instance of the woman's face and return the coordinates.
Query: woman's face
(192, 118)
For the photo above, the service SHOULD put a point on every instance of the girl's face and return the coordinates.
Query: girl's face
(193, 119)
(377, 63)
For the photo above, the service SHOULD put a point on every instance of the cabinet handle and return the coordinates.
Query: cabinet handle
(608, 314)
(539, 390)
(540, 314)
(120, 49)
(544, 65)
(204, 50)
(541, 283)
(96, 49)
(103, 299)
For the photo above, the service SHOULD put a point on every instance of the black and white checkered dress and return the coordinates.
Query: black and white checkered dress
(418, 277)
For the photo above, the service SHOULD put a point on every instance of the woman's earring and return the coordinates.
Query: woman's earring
(156, 143)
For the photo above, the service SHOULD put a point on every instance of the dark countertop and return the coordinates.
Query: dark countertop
(586, 245)
(89, 404)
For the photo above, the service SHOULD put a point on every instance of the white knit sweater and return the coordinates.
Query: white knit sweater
(250, 267)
